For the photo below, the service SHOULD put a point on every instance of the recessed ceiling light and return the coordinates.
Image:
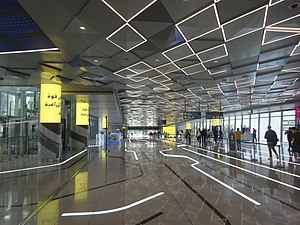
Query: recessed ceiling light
(82, 28)
(156, 60)
(96, 60)
(216, 61)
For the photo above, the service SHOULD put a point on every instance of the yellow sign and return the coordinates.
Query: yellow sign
(82, 111)
(188, 125)
(104, 122)
(215, 122)
(50, 103)
(171, 130)
(185, 115)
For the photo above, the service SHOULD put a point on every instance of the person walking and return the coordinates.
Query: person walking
(272, 140)
(199, 136)
(204, 136)
(289, 133)
(296, 143)
(238, 137)
(254, 135)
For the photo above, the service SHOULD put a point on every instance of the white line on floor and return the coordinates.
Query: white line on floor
(43, 167)
(134, 153)
(114, 210)
(210, 176)
(240, 168)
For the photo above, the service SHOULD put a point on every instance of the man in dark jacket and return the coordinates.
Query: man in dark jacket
(272, 140)
(289, 138)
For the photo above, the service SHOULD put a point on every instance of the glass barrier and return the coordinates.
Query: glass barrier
(18, 138)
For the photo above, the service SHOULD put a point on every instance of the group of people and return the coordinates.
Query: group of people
(202, 136)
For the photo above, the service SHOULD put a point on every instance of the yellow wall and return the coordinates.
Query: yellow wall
(50, 103)
(82, 111)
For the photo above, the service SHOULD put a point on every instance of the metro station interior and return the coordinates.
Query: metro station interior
(102, 103)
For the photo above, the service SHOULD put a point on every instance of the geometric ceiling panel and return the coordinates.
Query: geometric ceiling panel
(281, 12)
(204, 75)
(213, 53)
(273, 35)
(245, 24)
(272, 64)
(126, 38)
(291, 24)
(176, 46)
(153, 20)
(140, 67)
(245, 48)
(128, 9)
(160, 78)
(207, 41)
(137, 79)
(220, 70)
(125, 73)
(147, 74)
(186, 7)
(179, 52)
(191, 60)
(296, 50)
(19, 32)
(77, 26)
(95, 60)
(167, 38)
(167, 68)
(193, 69)
(200, 23)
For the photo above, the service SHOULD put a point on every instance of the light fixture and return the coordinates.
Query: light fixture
(82, 28)
(96, 60)
(29, 51)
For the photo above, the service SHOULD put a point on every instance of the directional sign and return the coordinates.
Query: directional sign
(214, 115)
(191, 115)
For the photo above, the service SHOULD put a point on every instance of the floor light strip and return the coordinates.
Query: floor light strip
(43, 167)
(248, 171)
(268, 157)
(255, 164)
(114, 210)
(134, 153)
(211, 177)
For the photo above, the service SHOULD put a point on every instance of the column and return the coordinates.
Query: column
(50, 122)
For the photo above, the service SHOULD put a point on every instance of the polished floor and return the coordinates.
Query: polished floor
(156, 183)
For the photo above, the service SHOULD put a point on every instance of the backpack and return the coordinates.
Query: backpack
(272, 136)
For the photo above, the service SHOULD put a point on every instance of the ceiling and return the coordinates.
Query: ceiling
(160, 57)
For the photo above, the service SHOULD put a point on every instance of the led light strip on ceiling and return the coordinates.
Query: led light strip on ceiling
(29, 51)
(113, 210)
(210, 176)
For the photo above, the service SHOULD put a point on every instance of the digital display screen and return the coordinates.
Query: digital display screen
(191, 115)
(214, 115)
